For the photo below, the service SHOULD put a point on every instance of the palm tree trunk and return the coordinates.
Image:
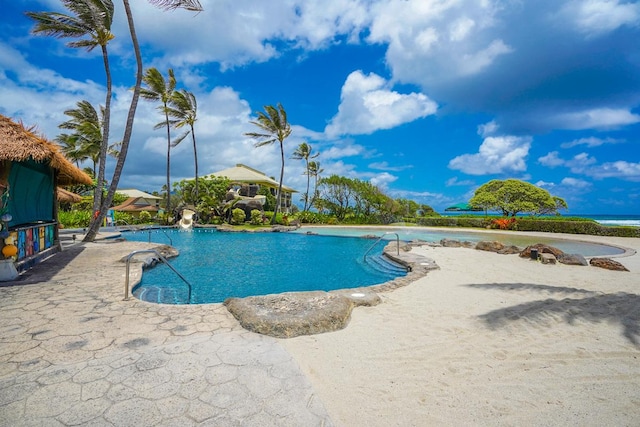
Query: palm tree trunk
(93, 229)
(195, 157)
(166, 116)
(306, 195)
(279, 195)
(102, 160)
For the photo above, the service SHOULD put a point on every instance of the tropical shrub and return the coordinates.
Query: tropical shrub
(238, 216)
(256, 217)
(144, 217)
(75, 219)
(504, 223)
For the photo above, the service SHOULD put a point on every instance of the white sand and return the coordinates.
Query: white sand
(429, 354)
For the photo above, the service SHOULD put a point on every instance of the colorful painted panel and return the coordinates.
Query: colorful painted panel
(30, 241)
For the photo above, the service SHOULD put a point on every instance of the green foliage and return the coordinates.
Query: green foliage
(211, 190)
(238, 216)
(270, 201)
(280, 218)
(144, 217)
(118, 199)
(75, 219)
(308, 217)
(256, 217)
(513, 196)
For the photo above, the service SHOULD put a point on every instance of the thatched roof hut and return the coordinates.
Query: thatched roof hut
(67, 196)
(19, 144)
(31, 169)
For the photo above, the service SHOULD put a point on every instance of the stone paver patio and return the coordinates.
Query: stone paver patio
(72, 352)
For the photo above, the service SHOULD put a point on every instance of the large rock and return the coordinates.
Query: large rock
(572, 259)
(450, 243)
(608, 264)
(490, 246)
(292, 314)
(542, 249)
(510, 250)
(247, 205)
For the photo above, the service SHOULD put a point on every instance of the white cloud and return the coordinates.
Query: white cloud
(475, 62)
(382, 180)
(590, 142)
(597, 118)
(386, 167)
(580, 163)
(367, 105)
(575, 183)
(503, 154)
(488, 129)
(551, 160)
(340, 151)
(461, 28)
(595, 17)
(620, 169)
(451, 182)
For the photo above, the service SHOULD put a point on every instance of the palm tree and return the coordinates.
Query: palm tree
(192, 5)
(183, 109)
(160, 90)
(71, 148)
(87, 131)
(304, 152)
(85, 142)
(274, 127)
(315, 170)
(91, 25)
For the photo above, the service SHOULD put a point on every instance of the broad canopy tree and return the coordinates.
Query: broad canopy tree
(512, 197)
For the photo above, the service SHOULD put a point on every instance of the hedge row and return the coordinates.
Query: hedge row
(531, 224)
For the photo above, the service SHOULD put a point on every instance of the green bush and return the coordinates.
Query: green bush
(238, 216)
(144, 217)
(312, 217)
(75, 219)
(256, 217)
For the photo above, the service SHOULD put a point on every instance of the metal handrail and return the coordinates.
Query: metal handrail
(165, 233)
(380, 238)
(163, 259)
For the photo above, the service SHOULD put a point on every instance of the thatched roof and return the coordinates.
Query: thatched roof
(67, 196)
(18, 144)
(135, 204)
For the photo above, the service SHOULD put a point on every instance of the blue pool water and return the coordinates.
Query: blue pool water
(220, 265)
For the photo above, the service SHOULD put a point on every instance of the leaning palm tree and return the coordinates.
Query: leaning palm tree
(303, 152)
(183, 110)
(90, 23)
(87, 130)
(192, 5)
(86, 139)
(274, 127)
(315, 170)
(160, 90)
(72, 148)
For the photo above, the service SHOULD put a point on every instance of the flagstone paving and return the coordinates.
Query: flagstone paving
(73, 352)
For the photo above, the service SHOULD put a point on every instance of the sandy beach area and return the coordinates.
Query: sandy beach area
(488, 339)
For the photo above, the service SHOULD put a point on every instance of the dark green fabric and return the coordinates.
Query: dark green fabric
(31, 193)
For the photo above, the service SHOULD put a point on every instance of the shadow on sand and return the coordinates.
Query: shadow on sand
(47, 269)
(621, 307)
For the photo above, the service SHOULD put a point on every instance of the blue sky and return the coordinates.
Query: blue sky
(427, 99)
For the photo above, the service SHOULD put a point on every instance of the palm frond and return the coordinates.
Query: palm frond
(179, 139)
(191, 5)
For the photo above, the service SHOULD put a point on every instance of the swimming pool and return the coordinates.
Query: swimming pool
(220, 265)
